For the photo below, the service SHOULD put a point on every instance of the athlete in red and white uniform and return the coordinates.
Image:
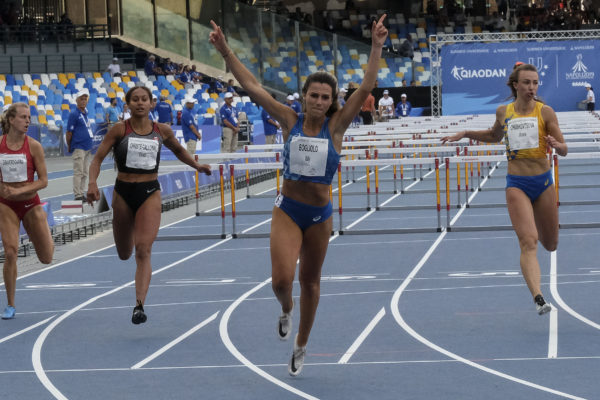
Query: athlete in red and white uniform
(20, 158)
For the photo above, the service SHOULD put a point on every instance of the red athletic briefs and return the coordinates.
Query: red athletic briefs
(22, 207)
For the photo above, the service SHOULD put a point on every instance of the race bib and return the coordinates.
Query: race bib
(141, 153)
(523, 133)
(13, 167)
(308, 156)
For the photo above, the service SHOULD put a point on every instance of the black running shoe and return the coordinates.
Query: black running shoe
(138, 317)
(541, 306)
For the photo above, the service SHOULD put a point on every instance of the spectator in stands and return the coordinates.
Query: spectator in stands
(590, 99)
(21, 157)
(413, 83)
(386, 106)
(271, 126)
(112, 113)
(152, 113)
(407, 47)
(342, 97)
(169, 67)
(217, 85)
(185, 78)
(231, 87)
(151, 68)
(79, 138)
(165, 111)
(196, 76)
(229, 123)
(125, 114)
(114, 68)
(298, 15)
(367, 111)
(136, 203)
(301, 223)
(468, 7)
(189, 126)
(329, 21)
(403, 82)
(403, 108)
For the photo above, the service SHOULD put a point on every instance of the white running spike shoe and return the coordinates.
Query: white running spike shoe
(297, 360)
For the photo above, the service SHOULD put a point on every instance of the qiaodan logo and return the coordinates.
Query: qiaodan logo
(579, 70)
(460, 73)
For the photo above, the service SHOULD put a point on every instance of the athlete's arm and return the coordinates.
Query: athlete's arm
(115, 133)
(492, 135)
(554, 136)
(181, 153)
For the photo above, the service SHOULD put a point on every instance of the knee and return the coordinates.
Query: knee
(528, 243)
(46, 257)
(143, 251)
(124, 254)
(310, 285)
(281, 286)
(550, 245)
(10, 254)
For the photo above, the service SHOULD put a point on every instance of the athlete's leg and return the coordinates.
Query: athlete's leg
(312, 255)
(36, 225)
(523, 222)
(147, 222)
(545, 211)
(286, 239)
(123, 224)
(9, 229)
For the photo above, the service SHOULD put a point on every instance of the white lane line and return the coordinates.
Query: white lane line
(395, 303)
(559, 300)
(22, 331)
(361, 338)
(174, 342)
(553, 334)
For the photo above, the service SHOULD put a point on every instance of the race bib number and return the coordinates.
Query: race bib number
(523, 133)
(308, 156)
(141, 153)
(13, 167)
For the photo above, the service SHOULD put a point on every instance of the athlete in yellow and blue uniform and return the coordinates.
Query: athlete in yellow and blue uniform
(529, 127)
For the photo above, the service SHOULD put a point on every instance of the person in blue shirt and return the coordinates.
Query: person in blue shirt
(79, 138)
(185, 77)
(165, 112)
(168, 67)
(271, 126)
(112, 113)
(297, 102)
(229, 123)
(293, 104)
(403, 108)
(302, 215)
(189, 126)
(152, 113)
(231, 87)
(217, 86)
(151, 68)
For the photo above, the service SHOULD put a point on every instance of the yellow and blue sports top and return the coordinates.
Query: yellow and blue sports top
(524, 135)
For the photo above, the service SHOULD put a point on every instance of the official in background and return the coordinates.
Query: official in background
(367, 111)
(79, 141)
(164, 111)
(229, 121)
(271, 127)
(112, 113)
(189, 126)
(590, 98)
(403, 108)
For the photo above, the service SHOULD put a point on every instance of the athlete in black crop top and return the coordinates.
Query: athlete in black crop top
(136, 201)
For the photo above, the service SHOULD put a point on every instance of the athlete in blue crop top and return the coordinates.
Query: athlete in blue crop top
(136, 200)
(528, 127)
(302, 223)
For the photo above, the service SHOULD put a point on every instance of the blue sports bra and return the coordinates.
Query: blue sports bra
(310, 158)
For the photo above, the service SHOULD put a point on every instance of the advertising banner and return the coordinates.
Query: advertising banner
(474, 75)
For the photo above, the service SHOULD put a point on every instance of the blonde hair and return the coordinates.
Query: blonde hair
(11, 112)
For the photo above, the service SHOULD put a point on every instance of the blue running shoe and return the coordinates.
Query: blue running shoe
(9, 312)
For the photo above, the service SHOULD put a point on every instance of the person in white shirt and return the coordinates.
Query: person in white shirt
(590, 98)
(386, 106)
(114, 68)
